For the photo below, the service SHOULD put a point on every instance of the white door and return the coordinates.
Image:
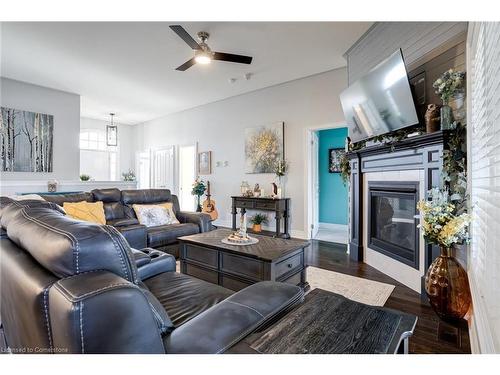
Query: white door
(187, 175)
(315, 183)
(163, 168)
(143, 168)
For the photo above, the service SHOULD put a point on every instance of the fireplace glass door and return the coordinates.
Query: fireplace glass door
(392, 224)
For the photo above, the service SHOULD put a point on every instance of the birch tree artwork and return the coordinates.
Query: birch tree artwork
(25, 141)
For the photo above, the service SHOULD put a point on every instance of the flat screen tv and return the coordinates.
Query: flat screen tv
(379, 102)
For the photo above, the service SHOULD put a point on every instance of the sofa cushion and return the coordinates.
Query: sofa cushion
(152, 215)
(123, 222)
(67, 247)
(113, 207)
(73, 197)
(92, 212)
(147, 196)
(107, 195)
(168, 234)
(183, 296)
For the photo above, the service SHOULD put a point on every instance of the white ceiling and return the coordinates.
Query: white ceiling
(128, 68)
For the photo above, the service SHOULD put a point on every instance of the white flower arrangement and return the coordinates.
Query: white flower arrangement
(448, 84)
(439, 222)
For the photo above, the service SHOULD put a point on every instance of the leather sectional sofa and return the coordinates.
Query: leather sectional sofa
(120, 214)
(69, 286)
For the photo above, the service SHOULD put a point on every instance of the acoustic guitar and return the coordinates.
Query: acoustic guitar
(209, 205)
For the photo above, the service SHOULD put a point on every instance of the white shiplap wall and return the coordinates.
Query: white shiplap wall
(484, 175)
(416, 39)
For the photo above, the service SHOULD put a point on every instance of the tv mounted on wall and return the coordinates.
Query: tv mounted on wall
(379, 102)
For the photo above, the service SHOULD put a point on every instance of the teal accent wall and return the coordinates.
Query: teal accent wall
(332, 191)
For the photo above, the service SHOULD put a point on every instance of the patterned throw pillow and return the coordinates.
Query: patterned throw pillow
(153, 215)
(86, 211)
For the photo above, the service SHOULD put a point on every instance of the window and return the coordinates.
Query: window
(98, 160)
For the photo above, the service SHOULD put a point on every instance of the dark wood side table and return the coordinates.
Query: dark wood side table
(281, 207)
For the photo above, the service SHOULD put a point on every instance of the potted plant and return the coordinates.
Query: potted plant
(199, 188)
(257, 220)
(446, 282)
(84, 177)
(128, 176)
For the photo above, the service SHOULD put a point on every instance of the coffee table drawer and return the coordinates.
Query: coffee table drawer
(243, 266)
(202, 273)
(201, 254)
(233, 284)
(288, 265)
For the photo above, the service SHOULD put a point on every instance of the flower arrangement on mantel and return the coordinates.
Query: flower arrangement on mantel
(440, 222)
(449, 84)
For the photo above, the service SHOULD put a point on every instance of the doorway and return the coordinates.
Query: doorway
(187, 175)
(327, 192)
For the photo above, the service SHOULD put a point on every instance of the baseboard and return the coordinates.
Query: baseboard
(481, 340)
(331, 226)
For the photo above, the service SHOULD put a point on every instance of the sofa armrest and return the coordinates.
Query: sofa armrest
(85, 308)
(135, 235)
(225, 324)
(204, 221)
(156, 262)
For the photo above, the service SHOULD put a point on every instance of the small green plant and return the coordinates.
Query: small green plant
(259, 219)
(84, 177)
(128, 176)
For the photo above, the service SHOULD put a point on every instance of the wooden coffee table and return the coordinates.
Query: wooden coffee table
(328, 323)
(235, 267)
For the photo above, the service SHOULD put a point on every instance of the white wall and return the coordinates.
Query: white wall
(126, 142)
(219, 127)
(65, 107)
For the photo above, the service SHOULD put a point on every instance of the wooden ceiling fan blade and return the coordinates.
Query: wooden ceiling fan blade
(188, 64)
(221, 56)
(183, 34)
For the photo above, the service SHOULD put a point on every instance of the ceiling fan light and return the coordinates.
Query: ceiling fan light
(203, 58)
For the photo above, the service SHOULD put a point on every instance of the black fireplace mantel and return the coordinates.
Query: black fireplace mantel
(421, 152)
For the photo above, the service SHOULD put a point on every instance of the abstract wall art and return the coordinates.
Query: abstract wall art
(264, 147)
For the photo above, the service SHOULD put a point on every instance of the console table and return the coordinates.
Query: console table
(281, 207)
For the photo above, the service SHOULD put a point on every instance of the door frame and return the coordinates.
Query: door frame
(177, 173)
(309, 176)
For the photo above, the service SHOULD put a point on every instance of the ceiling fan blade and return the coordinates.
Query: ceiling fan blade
(188, 64)
(183, 34)
(221, 56)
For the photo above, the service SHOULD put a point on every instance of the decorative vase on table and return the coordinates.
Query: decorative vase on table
(447, 287)
(198, 203)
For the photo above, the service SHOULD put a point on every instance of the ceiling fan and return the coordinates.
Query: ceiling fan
(202, 52)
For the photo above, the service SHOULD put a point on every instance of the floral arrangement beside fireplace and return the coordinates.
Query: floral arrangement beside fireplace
(446, 282)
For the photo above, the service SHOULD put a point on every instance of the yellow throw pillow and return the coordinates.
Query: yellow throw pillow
(153, 215)
(86, 211)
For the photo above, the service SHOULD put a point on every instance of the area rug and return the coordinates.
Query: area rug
(355, 288)
(361, 290)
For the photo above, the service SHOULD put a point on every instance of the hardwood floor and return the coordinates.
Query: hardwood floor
(333, 257)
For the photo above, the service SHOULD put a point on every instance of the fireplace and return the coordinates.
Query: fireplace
(392, 226)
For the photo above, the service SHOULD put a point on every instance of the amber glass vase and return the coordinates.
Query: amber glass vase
(447, 287)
